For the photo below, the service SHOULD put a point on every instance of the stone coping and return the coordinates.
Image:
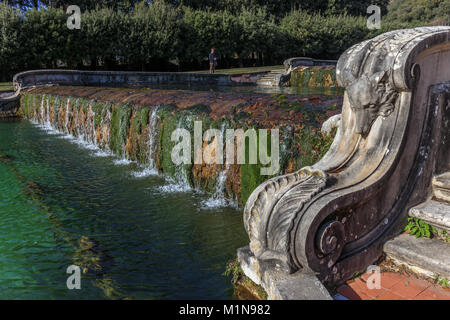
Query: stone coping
(117, 78)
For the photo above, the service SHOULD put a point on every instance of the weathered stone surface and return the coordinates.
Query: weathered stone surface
(441, 187)
(263, 108)
(433, 212)
(429, 254)
(333, 218)
(125, 79)
(333, 122)
(313, 77)
(272, 78)
(293, 63)
(9, 104)
(278, 284)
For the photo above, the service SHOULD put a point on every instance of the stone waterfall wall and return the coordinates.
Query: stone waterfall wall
(305, 76)
(141, 130)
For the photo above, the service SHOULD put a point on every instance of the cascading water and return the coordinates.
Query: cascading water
(150, 169)
(83, 134)
(152, 146)
(218, 199)
(180, 180)
(66, 120)
(89, 125)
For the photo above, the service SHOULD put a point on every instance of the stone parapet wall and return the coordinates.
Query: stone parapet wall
(116, 78)
(292, 63)
(9, 104)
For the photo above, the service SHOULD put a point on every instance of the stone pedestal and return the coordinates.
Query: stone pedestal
(332, 219)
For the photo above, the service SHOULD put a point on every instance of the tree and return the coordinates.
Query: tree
(257, 34)
(420, 11)
(319, 36)
(204, 29)
(151, 34)
(9, 39)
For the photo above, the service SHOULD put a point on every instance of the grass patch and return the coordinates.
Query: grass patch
(5, 86)
(238, 277)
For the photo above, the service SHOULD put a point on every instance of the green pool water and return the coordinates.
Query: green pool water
(152, 240)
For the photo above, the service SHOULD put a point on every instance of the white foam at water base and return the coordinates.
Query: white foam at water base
(85, 145)
(217, 200)
(48, 129)
(147, 172)
(213, 203)
(80, 142)
(175, 188)
(103, 154)
(122, 162)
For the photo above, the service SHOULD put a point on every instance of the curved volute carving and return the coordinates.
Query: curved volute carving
(332, 218)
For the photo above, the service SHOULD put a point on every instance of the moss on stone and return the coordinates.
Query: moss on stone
(120, 124)
(319, 78)
(313, 77)
(198, 109)
(244, 288)
(141, 119)
(251, 176)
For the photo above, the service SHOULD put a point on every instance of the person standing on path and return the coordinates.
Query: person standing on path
(212, 61)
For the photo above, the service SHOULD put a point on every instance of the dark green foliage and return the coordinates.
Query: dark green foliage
(167, 35)
(320, 36)
(434, 12)
(419, 228)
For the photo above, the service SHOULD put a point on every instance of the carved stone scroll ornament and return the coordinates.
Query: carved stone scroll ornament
(332, 218)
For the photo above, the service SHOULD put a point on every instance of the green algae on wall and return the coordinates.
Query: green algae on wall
(125, 130)
(313, 77)
(120, 125)
(251, 176)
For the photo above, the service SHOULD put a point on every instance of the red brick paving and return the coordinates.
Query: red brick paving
(394, 286)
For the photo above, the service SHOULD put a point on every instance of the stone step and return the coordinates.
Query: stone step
(435, 213)
(272, 78)
(266, 82)
(266, 78)
(426, 256)
(441, 187)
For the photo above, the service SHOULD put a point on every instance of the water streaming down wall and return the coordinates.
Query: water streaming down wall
(154, 134)
(143, 134)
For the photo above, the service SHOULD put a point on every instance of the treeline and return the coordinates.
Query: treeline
(278, 8)
(166, 37)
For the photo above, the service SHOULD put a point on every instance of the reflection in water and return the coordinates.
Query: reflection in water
(61, 204)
